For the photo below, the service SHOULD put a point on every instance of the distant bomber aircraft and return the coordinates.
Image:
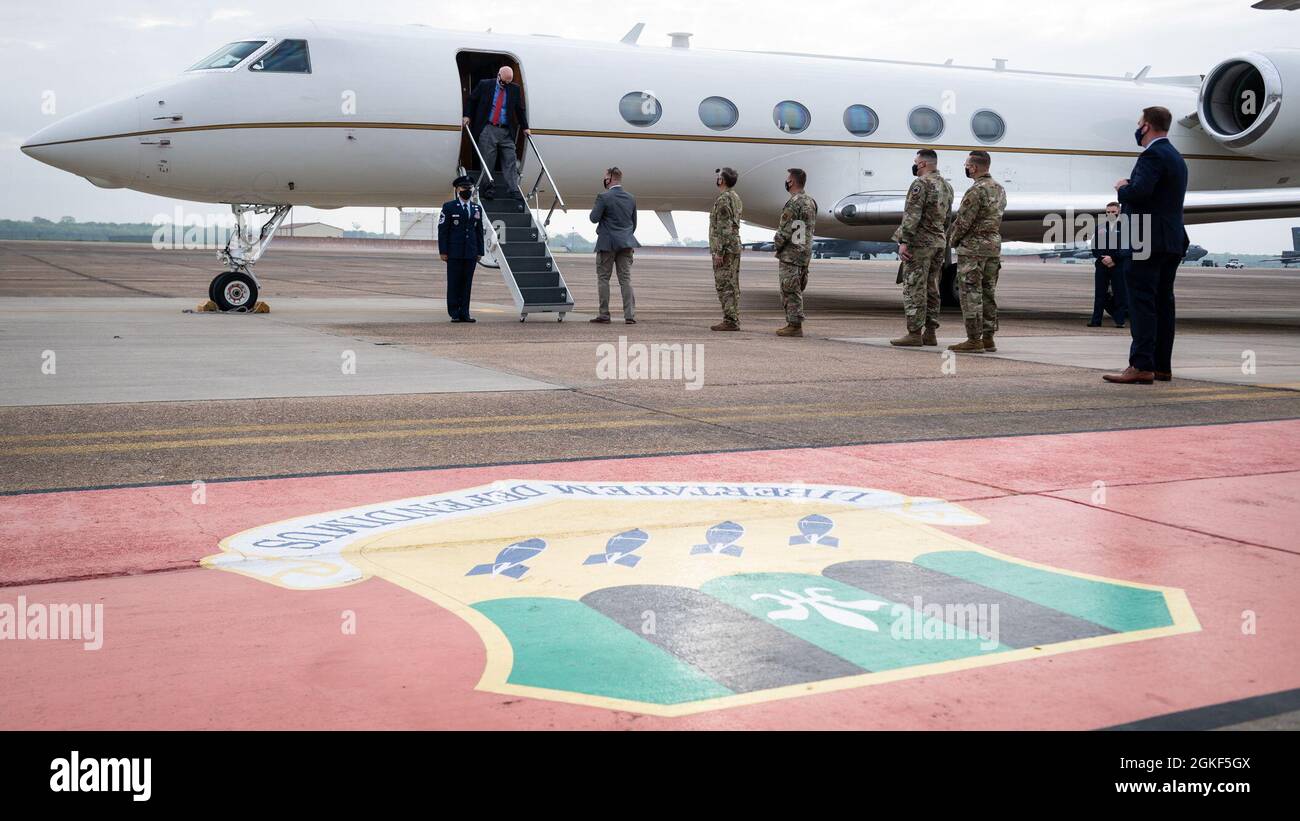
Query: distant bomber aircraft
(828, 248)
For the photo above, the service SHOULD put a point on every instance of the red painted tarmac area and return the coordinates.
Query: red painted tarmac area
(1211, 510)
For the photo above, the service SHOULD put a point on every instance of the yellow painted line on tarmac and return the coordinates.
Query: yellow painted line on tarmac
(1104, 402)
(360, 424)
(245, 441)
(589, 422)
(286, 426)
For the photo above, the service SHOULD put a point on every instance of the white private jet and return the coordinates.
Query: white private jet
(338, 114)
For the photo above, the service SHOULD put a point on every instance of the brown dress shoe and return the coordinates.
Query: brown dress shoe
(791, 330)
(603, 320)
(1131, 376)
(725, 325)
(1163, 376)
(928, 338)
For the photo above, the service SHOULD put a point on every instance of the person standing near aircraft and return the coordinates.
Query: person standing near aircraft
(615, 218)
(977, 235)
(1110, 291)
(495, 113)
(1154, 197)
(922, 239)
(793, 243)
(724, 245)
(460, 245)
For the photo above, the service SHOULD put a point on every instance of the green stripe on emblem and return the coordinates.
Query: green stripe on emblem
(561, 644)
(1119, 607)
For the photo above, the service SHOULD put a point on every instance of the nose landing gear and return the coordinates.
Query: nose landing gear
(236, 289)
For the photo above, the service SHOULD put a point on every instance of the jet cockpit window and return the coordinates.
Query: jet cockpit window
(228, 56)
(791, 117)
(987, 126)
(640, 108)
(290, 57)
(925, 122)
(860, 120)
(718, 113)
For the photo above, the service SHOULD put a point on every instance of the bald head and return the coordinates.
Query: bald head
(506, 75)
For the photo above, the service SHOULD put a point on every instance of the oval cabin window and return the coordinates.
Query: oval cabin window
(640, 108)
(791, 117)
(718, 113)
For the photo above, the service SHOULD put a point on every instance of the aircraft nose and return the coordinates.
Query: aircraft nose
(100, 143)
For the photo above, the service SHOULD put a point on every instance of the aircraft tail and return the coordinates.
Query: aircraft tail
(1295, 238)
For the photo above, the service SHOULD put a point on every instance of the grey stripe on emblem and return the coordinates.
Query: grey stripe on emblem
(733, 648)
(1021, 623)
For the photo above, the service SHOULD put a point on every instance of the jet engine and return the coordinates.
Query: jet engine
(1242, 104)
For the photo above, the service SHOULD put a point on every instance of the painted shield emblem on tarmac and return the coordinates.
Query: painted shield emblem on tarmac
(670, 598)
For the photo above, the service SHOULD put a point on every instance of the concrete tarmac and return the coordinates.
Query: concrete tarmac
(143, 449)
(146, 393)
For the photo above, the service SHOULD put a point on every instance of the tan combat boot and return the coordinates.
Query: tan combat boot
(911, 340)
(725, 325)
(791, 330)
(989, 347)
(928, 338)
(971, 345)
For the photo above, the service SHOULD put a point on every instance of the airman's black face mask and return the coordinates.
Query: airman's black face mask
(915, 168)
(787, 185)
(463, 193)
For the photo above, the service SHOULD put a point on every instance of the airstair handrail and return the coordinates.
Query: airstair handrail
(482, 163)
(559, 198)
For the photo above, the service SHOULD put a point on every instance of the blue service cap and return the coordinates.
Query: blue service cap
(463, 181)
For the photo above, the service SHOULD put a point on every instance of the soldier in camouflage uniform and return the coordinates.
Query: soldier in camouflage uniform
(793, 241)
(922, 244)
(976, 234)
(724, 245)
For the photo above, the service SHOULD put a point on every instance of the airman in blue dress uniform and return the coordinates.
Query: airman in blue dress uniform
(460, 245)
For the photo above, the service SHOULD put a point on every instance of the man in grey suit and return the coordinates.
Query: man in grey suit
(615, 218)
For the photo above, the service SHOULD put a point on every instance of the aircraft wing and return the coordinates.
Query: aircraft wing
(1028, 213)
(1277, 5)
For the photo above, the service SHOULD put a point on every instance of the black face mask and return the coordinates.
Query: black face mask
(915, 168)
(1137, 136)
(606, 182)
(463, 193)
(969, 174)
(787, 185)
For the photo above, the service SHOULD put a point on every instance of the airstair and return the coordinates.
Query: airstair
(515, 240)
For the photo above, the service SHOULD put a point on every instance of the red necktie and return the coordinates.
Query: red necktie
(496, 109)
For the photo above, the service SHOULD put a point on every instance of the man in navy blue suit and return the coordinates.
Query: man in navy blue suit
(1111, 273)
(495, 115)
(1152, 201)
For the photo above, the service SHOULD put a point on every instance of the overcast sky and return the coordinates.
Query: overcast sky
(87, 51)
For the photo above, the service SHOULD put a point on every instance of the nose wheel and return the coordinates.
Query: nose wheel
(233, 291)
